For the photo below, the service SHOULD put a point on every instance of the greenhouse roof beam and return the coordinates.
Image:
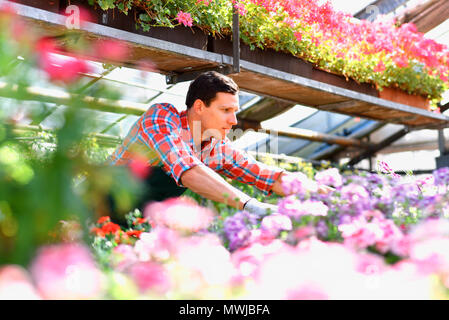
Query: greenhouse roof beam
(427, 15)
(59, 97)
(383, 144)
(306, 134)
(264, 109)
(264, 72)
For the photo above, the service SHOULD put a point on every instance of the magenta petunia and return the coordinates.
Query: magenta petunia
(184, 18)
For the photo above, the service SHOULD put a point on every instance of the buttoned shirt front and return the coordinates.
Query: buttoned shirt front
(163, 136)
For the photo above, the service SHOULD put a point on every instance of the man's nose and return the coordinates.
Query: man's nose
(233, 119)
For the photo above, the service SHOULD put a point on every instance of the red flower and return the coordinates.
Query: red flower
(110, 227)
(103, 219)
(134, 233)
(139, 221)
(98, 232)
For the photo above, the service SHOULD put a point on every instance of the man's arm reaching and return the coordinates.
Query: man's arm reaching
(209, 184)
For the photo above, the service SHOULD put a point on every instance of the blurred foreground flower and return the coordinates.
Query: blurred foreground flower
(299, 184)
(59, 68)
(111, 50)
(66, 271)
(16, 284)
(182, 214)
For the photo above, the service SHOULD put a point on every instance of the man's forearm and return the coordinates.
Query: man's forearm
(207, 183)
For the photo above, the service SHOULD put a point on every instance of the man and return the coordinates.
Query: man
(189, 149)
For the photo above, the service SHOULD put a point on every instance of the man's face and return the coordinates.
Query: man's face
(220, 116)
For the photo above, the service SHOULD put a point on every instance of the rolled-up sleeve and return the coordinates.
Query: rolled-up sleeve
(240, 166)
(160, 132)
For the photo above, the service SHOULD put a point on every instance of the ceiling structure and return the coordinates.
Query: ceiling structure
(299, 120)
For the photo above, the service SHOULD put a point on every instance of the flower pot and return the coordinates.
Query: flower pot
(400, 96)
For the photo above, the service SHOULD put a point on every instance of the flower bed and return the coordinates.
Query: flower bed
(378, 53)
(376, 236)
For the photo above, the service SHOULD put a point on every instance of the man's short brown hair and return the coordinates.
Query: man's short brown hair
(206, 86)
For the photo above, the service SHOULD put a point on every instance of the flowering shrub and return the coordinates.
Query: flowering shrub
(377, 52)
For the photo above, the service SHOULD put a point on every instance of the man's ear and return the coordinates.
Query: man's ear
(198, 106)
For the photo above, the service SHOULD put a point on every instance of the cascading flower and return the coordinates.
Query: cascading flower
(184, 18)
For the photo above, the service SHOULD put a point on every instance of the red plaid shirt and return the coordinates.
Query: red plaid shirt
(163, 135)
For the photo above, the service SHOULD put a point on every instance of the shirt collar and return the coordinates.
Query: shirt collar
(186, 128)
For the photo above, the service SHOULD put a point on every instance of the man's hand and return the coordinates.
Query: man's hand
(259, 208)
(323, 189)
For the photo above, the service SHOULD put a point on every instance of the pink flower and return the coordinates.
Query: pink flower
(381, 233)
(150, 276)
(354, 193)
(60, 68)
(298, 36)
(428, 245)
(111, 50)
(308, 291)
(295, 208)
(248, 259)
(240, 6)
(184, 18)
(206, 259)
(380, 67)
(15, 284)
(276, 222)
(182, 214)
(139, 167)
(66, 271)
(160, 244)
(298, 183)
(329, 177)
(401, 61)
(204, 2)
(123, 256)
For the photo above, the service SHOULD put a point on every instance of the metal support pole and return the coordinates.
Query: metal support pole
(442, 143)
(235, 41)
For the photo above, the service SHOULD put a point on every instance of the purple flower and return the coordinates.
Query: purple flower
(441, 176)
(237, 229)
(406, 192)
(329, 177)
(322, 229)
(357, 198)
(298, 183)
